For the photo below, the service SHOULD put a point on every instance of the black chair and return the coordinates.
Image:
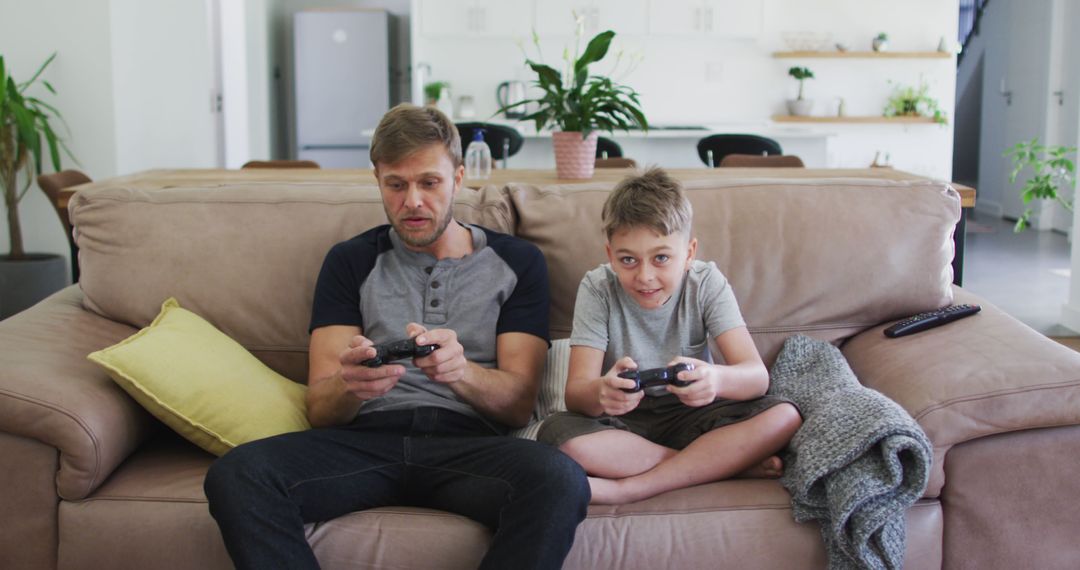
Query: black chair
(607, 148)
(713, 148)
(504, 141)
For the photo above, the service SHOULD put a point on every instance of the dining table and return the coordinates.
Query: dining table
(209, 177)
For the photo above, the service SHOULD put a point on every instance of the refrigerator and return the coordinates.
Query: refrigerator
(341, 65)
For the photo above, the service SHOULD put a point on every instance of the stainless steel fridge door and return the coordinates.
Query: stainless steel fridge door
(342, 156)
(342, 76)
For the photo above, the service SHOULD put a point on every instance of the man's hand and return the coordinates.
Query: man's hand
(447, 364)
(707, 381)
(613, 400)
(363, 382)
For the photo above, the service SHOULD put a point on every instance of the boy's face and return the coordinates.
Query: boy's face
(650, 266)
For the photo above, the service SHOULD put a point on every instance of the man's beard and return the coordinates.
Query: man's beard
(424, 241)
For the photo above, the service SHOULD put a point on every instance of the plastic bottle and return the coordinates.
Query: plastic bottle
(478, 158)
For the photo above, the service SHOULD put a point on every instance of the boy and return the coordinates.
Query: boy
(652, 306)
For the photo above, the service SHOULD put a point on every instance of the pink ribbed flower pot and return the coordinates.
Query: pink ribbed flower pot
(575, 158)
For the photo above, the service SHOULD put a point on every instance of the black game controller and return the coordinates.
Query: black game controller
(656, 377)
(397, 350)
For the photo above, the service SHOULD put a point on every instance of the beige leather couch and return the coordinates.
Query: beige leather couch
(90, 480)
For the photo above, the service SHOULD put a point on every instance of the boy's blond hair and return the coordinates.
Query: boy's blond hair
(653, 199)
(407, 128)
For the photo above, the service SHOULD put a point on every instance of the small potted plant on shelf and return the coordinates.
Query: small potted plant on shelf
(1053, 173)
(799, 106)
(907, 101)
(27, 139)
(579, 104)
(881, 42)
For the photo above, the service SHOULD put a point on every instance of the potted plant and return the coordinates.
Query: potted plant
(907, 101)
(881, 42)
(799, 106)
(25, 278)
(579, 104)
(1053, 173)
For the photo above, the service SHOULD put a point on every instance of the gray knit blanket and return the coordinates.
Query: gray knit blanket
(858, 461)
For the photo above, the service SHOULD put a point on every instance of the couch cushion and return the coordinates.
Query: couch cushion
(152, 514)
(824, 257)
(243, 256)
(203, 384)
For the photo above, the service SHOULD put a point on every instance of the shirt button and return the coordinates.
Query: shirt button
(428, 270)
(434, 284)
(435, 303)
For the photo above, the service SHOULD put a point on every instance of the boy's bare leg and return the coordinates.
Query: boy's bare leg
(615, 454)
(722, 453)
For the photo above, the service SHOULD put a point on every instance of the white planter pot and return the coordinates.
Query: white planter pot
(800, 107)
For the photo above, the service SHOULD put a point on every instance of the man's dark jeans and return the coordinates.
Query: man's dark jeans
(262, 493)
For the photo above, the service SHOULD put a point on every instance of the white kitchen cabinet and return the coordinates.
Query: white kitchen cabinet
(624, 17)
(476, 18)
(719, 18)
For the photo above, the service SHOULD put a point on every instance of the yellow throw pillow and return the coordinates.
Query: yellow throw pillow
(202, 383)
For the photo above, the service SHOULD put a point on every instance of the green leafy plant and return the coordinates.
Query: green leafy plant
(907, 101)
(578, 101)
(882, 36)
(1052, 172)
(24, 122)
(802, 74)
(432, 90)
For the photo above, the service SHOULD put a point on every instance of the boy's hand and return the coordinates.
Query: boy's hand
(363, 382)
(613, 400)
(706, 382)
(447, 364)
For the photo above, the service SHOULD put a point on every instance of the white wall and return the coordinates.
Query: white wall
(162, 76)
(705, 79)
(133, 82)
(78, 31)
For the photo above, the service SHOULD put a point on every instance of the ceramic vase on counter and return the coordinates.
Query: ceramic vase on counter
(800, 107)
(575, 157)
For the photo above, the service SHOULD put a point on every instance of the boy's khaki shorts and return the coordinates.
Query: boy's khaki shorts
(663, 420)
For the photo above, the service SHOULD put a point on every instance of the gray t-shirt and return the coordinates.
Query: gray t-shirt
(376, 283)
(607, 319)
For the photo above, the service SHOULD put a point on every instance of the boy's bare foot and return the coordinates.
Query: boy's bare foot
(771, 468)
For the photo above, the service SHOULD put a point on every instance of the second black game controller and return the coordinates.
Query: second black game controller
(406, 348)
(656, 377)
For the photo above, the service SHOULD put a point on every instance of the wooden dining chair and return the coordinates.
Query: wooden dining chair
(619, 162)
(762, 161)
(281, 164)
(52, 185)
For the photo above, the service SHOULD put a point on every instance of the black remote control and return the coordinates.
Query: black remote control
(656, 376)
(930, 319)
(397, 350)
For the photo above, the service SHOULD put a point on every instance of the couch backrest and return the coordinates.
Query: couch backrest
(824, 257)
(245, 257)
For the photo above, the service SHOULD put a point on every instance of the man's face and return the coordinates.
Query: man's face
(418, 194)
(650, 267)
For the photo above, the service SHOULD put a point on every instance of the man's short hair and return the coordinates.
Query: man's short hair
(653, 199)
(407, 128)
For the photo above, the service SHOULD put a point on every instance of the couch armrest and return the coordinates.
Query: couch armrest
(51, 393)
(975, 377)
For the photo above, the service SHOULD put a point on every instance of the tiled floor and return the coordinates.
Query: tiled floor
(1025, 274)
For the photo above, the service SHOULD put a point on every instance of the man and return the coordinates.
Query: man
(427, 432)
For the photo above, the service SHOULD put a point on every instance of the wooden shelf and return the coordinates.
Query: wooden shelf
(796, 119)
(865, 54)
